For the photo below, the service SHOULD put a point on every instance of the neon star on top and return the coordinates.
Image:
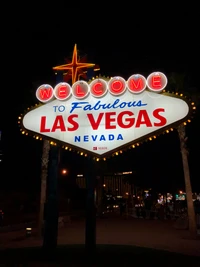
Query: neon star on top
(75, 66)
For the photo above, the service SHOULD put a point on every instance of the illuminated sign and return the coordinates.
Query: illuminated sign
(102, 116)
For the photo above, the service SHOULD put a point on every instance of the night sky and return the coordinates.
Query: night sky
(141, 41)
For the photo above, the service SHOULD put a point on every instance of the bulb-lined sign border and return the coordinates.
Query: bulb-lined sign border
(98, 88)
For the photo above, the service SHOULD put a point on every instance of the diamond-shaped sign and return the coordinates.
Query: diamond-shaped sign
(103, 125)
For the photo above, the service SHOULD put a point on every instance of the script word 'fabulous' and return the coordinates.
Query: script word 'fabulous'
(116, 86)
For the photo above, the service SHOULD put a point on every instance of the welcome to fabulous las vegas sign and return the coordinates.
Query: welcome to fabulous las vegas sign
(103, 116)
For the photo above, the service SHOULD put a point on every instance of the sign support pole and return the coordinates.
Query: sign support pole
(51, 207)
(90, 220)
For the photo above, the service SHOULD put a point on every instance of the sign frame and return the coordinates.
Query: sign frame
(119, 149)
